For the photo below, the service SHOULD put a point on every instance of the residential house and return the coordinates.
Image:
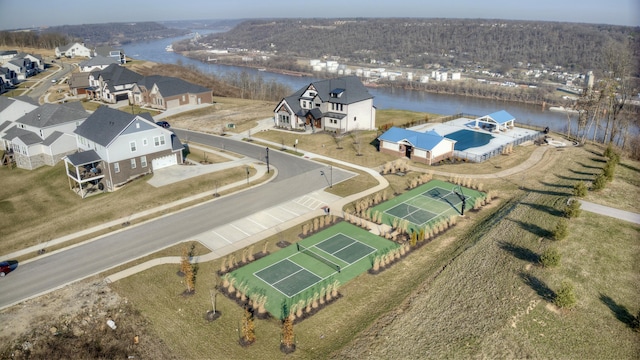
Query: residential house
(44, 135)
(34, 63)
(79, 83)
(337, 105)
(108, 51)
(8, 76)
(164, 93)
(6, 55)
(73, 50)
(18, 67)
(497, 121)
(115, 147)
(425, 147)
(12, 109)
(112, 84)
(97, 62)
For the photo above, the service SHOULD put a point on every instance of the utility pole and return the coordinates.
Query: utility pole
(267, 160)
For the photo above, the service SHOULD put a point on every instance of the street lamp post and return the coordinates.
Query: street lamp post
(267, 160)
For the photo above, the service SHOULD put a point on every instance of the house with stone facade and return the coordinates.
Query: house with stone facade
(337, 105)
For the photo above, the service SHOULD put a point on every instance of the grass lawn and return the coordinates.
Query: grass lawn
(495, 301)
(26, 222)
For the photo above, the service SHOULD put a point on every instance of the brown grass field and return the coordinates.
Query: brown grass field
(476, 291)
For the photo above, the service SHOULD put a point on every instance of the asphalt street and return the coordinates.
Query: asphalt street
(296, 177)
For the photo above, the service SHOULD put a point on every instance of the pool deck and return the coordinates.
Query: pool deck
(499, 138)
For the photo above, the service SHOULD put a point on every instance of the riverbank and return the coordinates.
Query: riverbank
(541, 95)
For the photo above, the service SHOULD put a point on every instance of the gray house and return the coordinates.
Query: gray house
(44, 135)
(115, 147)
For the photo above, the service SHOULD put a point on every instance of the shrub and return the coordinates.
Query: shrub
(565, 296)
(561, 230)
(572, 210)
(599, 182)
(609, 169)
(550, 258)
(580, 189)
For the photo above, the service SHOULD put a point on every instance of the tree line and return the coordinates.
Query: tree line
(423, 42)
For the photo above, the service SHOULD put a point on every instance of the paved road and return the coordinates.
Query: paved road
(609, 211)
(58, 72)
(296, 177)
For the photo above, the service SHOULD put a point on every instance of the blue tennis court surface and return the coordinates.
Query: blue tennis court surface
(466, 139)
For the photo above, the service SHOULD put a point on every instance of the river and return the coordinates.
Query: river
(384, 98)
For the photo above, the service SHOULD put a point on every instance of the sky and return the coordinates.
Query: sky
(19, 14)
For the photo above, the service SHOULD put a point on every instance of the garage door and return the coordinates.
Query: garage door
(164, 161)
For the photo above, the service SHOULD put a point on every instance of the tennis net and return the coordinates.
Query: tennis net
(308, 252)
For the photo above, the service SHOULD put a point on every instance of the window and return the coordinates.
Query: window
(133, 163)
(132, 146)
(304, 104)
(158, 140)
(183, 98)
(145, 142)
(143, 161)
(116, 167)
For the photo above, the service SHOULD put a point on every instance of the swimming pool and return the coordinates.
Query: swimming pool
(466, 139)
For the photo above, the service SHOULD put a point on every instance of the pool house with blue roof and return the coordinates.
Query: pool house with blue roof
(425, 147)
(497, 121)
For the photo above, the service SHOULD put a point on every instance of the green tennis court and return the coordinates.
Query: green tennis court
(428, 204)
(301, 270)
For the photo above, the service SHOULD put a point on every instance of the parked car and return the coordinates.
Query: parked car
(164, 124)
(53, 80)
(7, 267)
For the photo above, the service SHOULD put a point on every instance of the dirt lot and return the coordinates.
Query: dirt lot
(71, 323)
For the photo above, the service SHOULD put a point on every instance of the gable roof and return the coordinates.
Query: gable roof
(501, 117)
(99, 60)
(53, 114)
(115, 74)
(170, 86)
(105, 124)
(106, 50)
(426, 141)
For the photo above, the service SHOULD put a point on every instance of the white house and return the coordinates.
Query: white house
(73, 50)
(112, 84)
(337, 105)
(425, 147)
(44, 135)
(97, 62)
(115, 147)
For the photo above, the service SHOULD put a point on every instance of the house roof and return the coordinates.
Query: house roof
(426, 141)
(83, 157)
(79, 80)
(501, 117)
(105, 50)
(26, 136)
(99, 60)
(53, 114)
(170, 86)
(115, 74)
(52, 138)
(105, 124)
(343, 90)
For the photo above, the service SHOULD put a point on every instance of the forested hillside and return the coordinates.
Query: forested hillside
(121, 33)
(448, 42)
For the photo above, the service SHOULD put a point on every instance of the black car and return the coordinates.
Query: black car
(164, 124)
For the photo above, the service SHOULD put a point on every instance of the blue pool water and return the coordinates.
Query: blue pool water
(467, 139)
